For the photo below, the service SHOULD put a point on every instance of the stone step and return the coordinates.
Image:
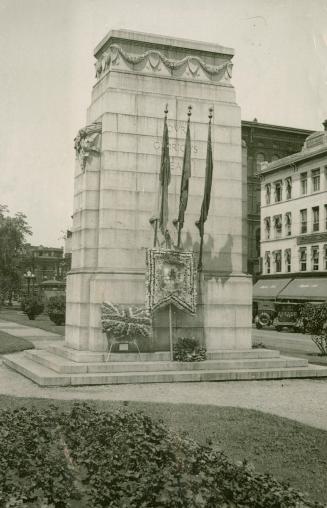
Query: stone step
(47, 377)
(64, 366)
(41, 375)
(94, 357)
(56, 362)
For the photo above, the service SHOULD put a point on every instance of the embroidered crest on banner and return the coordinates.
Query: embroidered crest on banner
(171, 279)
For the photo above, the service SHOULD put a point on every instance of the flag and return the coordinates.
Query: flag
(207, 184)
(164, 179)
(186, 174)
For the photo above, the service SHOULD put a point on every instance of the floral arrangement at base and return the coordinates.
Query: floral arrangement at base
(125, 322)
(189, 350)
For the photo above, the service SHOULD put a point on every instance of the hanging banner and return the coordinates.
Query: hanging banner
(171, 279)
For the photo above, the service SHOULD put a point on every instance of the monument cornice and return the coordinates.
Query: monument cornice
(156, 62)
(161, 41)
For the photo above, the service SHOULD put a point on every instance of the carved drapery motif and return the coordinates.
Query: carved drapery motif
(87, 142)
(193, 65)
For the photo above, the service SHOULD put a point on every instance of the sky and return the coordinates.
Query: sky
(47, 74)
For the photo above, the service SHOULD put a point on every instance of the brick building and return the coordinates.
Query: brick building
(264, 142)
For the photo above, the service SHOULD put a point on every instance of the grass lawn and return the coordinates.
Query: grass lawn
(41, 321)
(289, 451)
(10, 344)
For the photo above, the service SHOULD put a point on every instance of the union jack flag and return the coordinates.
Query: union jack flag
(125, 322)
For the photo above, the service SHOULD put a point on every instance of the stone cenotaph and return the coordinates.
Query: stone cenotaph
(116, 186)
(118, 160)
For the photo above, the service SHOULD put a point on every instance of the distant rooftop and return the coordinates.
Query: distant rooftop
(314, 145)
(255, 123)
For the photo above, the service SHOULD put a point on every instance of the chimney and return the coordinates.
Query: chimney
(325, 125)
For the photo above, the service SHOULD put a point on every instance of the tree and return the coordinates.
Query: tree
(13, 232)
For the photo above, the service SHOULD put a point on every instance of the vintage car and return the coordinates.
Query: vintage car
(288, 316)
(265, 313)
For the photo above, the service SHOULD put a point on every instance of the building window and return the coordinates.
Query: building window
(315, 257)
(267, 261)
(315, 176)
(288, 223)
(275, 157)
(303, 259)
(278, 225)
(268, 193)
(278, 191)
(288, 259)
(304, 183)
(315, 218)
(325, 257)
(278, 260)
(304, 220)
(288, 183)
(267, 227)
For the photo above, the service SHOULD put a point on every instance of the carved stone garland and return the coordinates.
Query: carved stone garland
(156, 57)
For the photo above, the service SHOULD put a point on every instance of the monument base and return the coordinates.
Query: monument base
(222, 320)
(62, 366)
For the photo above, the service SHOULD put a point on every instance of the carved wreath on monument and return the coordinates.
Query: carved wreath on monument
(171, 278)
(87, 142)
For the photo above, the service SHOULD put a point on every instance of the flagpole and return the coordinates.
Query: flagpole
(155, 233)
(207, 192)
(161, 217)
(200, 253)
(171, 334)
(181, 222)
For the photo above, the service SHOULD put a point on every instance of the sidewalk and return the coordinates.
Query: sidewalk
(303, 400)
(37, 336)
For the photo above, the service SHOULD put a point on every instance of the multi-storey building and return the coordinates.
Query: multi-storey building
(263, 142)
(294, 212)
(46, 263)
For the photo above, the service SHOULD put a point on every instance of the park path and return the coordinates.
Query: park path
(37, 336)
(303, 400)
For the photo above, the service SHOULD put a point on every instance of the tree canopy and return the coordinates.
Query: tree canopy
(13, 233)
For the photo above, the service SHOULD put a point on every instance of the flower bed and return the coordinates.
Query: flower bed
(92, 458)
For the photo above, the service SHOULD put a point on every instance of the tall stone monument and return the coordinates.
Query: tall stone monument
(118, 158)
(116, 187)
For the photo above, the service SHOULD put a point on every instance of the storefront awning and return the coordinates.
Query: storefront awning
(269, 289)
(305, 289)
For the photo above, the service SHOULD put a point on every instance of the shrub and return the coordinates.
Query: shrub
(90, 458)
(188, 350)
(32, 306)
(258, 345)
(56, 309)
(314, 319)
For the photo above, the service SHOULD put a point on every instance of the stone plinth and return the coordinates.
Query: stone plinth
(116, 187)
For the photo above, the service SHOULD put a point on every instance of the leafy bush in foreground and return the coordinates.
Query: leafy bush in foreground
(314, 319)
(90, 458)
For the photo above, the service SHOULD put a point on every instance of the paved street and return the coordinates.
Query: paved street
(285, 341)
(289, 343)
